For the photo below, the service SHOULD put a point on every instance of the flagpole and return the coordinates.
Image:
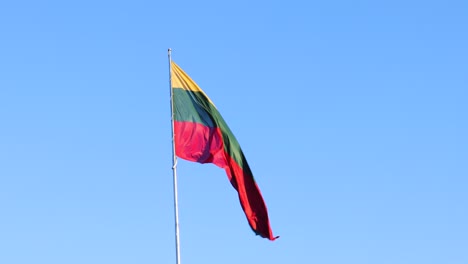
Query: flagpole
(174, 164)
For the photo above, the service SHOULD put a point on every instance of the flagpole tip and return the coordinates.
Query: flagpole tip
(169, 50)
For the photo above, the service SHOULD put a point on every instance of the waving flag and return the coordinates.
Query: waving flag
(201, 135)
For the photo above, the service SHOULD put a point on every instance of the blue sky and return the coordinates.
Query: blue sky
(352, 115)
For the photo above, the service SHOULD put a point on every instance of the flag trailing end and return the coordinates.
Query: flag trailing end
(201, 135)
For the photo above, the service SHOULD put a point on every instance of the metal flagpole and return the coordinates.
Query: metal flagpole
(174, 164)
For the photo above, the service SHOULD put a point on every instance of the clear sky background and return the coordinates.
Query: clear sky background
(353, 116)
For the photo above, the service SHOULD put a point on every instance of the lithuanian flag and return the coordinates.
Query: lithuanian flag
(201, 135)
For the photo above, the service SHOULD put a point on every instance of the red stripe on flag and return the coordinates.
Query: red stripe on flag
(199, 143)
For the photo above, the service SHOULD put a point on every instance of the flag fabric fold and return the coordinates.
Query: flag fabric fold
(201, 135)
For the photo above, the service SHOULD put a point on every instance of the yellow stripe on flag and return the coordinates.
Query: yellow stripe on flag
(179, 79)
